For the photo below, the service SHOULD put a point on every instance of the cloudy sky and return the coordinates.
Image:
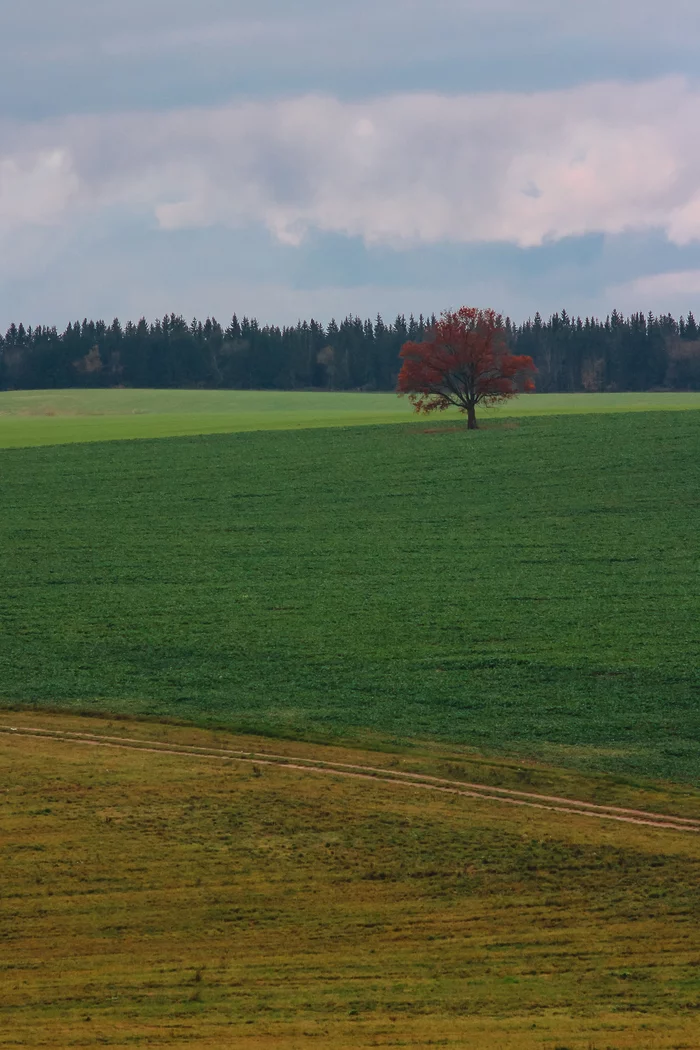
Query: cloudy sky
(289, 158)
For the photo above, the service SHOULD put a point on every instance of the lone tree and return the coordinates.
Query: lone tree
(464, 361)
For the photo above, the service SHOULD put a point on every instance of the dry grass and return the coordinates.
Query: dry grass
(171, 900)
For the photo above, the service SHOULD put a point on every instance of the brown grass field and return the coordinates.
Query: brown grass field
(167, 900)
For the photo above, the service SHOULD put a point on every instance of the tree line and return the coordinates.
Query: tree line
(571, 354)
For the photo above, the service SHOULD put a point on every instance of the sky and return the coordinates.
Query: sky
(296, 158)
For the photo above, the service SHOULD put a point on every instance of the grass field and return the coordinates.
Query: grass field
(515, 607)
(168, 900)
(530, 588)
(47, 417)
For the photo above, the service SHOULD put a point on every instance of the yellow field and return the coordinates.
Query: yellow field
(182, 900)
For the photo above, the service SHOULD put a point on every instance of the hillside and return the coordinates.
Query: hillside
(530, 589)
(178, 899)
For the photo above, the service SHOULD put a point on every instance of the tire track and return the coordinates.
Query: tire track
(465, 789)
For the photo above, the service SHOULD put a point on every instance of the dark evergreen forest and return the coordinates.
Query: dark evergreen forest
(571, 354)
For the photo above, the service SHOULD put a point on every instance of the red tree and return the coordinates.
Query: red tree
(464, 362)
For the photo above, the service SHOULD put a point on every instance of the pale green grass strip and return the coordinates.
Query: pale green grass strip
(52, 417)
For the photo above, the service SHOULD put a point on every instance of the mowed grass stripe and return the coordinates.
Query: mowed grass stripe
(532, 590)
(45, 417)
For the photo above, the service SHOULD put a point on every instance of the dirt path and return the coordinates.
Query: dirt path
(484, 792)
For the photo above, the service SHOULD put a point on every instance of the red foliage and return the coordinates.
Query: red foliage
(463, 362)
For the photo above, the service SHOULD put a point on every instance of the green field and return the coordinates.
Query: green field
(514, 607)
(48, 417)
(531, 588)
(179, 901)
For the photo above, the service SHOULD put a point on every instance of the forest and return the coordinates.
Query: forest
(571, 354)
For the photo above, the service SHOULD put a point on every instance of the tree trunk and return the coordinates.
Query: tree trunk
(471, 417)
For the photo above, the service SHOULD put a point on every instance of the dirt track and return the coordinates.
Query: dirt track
(484, 792)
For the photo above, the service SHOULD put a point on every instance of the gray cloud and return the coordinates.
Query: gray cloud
(82, 56)
(165, 23)
(398, 170)
(396, 123)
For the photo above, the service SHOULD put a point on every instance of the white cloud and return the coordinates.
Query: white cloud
(36, 188)
(660, 292)
(398, 170)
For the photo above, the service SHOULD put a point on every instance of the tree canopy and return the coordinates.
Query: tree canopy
(571, 353)
(464, 361)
